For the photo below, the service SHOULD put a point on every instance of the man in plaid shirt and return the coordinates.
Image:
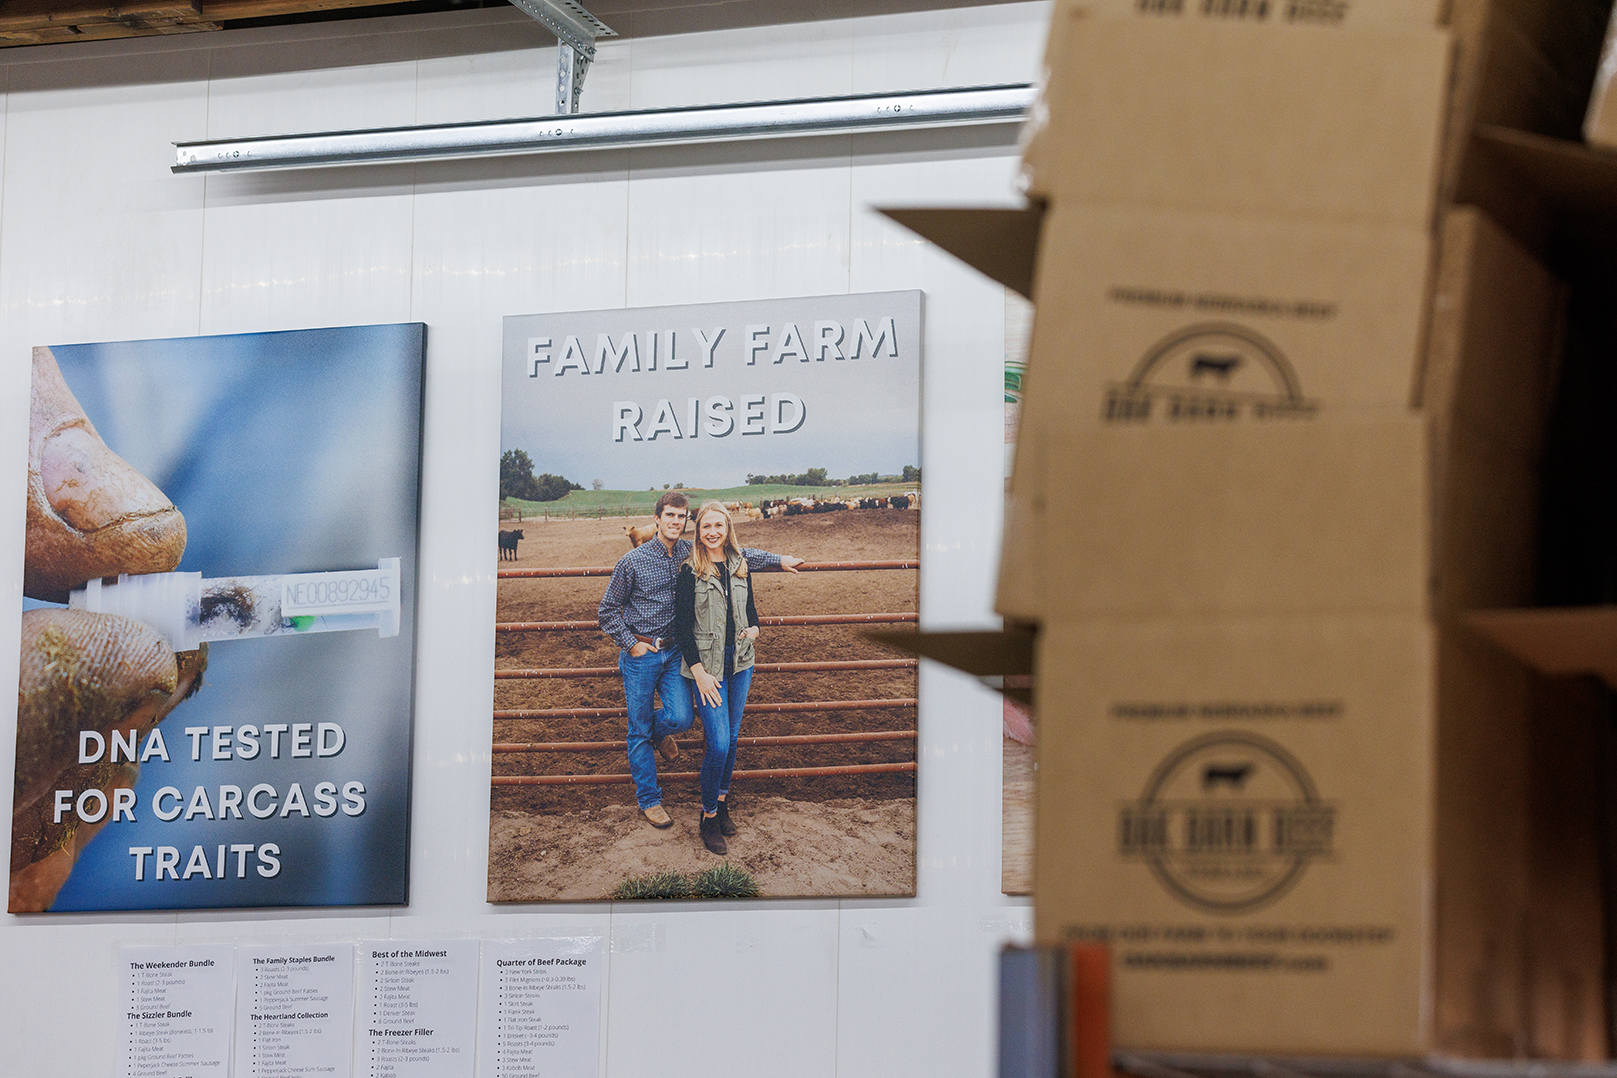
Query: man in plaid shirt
(637, 612)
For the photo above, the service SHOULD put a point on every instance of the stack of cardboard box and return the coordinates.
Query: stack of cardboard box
(1281, 433)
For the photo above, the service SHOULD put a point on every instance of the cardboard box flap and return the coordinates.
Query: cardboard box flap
(1494, 338)
(1563, 187)
(1244, 119)
(1524, 64)
(1001, 243)
(1007, 653)
(1579, 179)
(1004, 660)
(1561, 642)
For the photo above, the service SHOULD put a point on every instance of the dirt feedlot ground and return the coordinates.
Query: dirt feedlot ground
(817, 835)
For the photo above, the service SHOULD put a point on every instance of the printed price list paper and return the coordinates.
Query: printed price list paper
(418, 1008)
(177, 1004)
(295, 1011)
(541, 1008)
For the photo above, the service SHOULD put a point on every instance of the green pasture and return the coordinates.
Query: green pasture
(640, 503)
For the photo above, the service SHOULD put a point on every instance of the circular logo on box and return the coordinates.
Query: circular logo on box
(1209, 372)
(1228, 822)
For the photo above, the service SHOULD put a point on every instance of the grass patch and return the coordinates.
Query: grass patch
(724, 881)
(656, 885)
(639, 503)
(721, 881)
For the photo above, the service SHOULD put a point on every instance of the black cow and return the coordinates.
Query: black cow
(1232, 775)
(508, 544)
(899, 501)
(1220, 366)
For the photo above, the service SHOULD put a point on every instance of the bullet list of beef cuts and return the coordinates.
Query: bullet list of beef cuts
(418, 1001)
(177, 1014)
(295, 1011)
(544, 999)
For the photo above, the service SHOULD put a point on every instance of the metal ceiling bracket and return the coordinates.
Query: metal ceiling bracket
(576, 30)
(571, 64)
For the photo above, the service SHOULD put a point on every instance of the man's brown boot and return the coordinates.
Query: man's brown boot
(658, 817)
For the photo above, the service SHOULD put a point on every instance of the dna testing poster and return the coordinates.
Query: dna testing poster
(214, 707)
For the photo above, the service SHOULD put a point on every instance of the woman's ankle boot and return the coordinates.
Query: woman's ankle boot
(726, 826)
(711, 838)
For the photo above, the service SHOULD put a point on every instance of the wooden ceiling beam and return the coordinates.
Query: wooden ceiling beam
(51, 22)
(225, 10)
(43, 14)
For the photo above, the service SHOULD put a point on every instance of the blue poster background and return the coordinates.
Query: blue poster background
(286, 452)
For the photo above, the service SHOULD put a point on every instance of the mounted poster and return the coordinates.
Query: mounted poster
(1016, 760)
(703, 508)
(218, 628)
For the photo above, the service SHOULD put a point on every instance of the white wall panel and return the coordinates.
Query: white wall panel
(280, 82)
(503, 69)
(972, 46)
(735, 221)
(287, 251)
(99, 242)
(98, 236)
(715, 989)
(889, 954)
(755, 63)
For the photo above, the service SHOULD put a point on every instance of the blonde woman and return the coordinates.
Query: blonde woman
(715, 624)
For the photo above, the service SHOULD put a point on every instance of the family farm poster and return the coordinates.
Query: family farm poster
(801, 418)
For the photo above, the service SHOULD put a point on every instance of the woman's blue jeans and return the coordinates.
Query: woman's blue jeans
(721, 726)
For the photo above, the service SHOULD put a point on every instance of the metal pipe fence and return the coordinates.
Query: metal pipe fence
(789, 619)
(756, 709)
(809, 706)
(761, 668)
(860, 737)
(691, 776)
(606, 570)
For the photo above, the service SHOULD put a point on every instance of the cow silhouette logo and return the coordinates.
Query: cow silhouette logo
(1228, 822)
(1209, 372)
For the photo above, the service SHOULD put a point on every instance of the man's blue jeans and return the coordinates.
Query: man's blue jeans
(655, 671)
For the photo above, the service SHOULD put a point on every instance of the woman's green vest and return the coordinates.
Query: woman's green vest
(710, 621)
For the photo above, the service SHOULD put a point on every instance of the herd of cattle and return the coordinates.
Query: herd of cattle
(778, 507)
(791, 507)
(787, 507)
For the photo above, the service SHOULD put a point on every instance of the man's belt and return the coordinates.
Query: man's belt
(657, 642)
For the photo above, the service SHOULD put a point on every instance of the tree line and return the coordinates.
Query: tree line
(518, 481)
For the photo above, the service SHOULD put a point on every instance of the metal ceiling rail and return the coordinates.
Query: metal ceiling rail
(613, 130)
